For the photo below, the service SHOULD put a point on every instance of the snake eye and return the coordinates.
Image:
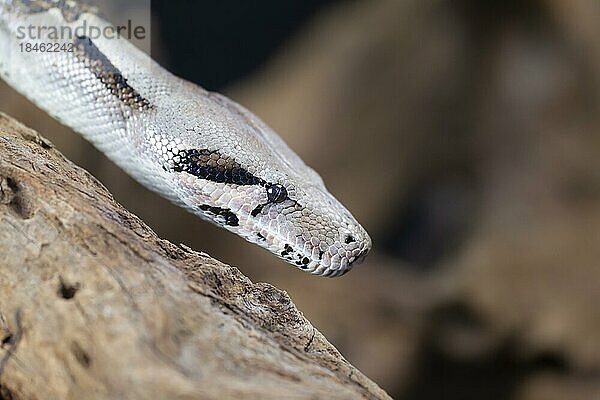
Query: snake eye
(276, 193)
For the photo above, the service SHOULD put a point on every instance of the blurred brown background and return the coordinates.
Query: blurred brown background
(464, 137)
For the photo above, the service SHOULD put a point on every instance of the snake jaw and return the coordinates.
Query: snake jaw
(329, 263)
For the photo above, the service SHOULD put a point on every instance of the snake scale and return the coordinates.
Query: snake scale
(196, 148)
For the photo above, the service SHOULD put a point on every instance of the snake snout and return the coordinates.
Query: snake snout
(360, 257)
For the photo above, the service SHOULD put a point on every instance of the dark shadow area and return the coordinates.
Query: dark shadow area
(215, 43)
(434, 223)
(493, 372)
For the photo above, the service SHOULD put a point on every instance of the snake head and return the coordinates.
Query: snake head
(310, 229)
(236, 172)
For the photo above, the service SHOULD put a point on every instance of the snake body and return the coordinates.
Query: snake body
(196, 148)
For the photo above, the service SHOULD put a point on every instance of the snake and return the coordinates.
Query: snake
(196, 148)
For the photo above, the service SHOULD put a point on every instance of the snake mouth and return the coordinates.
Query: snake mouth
(360, 257)
(340, 266)
(330, 272)
(333, 261)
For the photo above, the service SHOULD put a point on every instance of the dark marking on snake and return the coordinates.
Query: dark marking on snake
(261, 237)
(229, 217)
(87, 52)
(257, 210)
(287, 249)
(213, 166)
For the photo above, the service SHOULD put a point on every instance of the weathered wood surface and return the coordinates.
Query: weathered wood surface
(94, 305)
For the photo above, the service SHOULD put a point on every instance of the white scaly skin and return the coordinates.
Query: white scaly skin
(199, 149)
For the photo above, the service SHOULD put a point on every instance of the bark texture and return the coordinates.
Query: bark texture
(94, 305)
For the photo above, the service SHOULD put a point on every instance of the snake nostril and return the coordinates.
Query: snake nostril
(350, 239)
